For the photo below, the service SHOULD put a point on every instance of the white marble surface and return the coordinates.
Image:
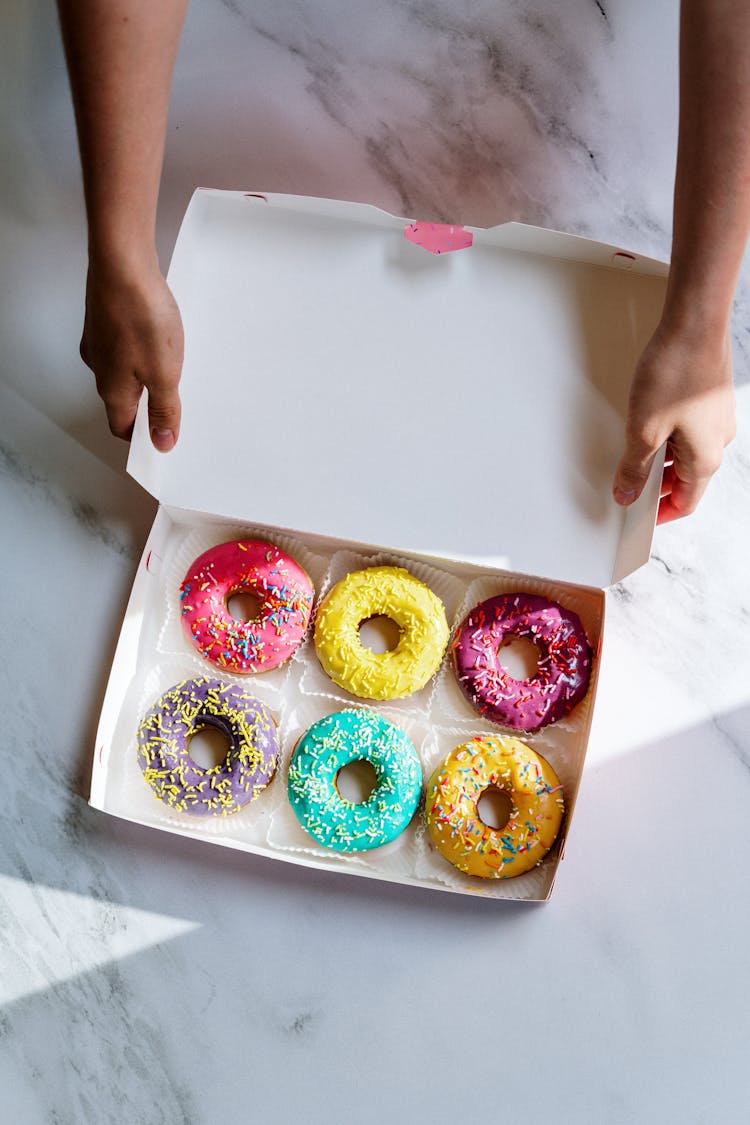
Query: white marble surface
(148, 979)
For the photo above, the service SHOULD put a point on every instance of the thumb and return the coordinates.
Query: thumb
(163, 417)
(633, 470)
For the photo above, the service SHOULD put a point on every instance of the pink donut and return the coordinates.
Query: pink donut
(562, 676)
(246, 566)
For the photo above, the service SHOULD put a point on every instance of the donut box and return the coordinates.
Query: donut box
(364, 390)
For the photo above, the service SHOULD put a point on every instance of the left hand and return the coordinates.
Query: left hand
(132, 338)
(682, 393)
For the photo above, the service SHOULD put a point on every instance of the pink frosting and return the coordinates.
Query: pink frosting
(246, 566)
(562, 676)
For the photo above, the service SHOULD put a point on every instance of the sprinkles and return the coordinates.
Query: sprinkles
(282, 587)
(163, 748)
(332, 743)
(394, 593)
(562, 676)
(453, 821)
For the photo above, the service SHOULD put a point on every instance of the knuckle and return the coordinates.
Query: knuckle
(162, 414)
(163, 400)
(106, 391)
(110, 394)
(120, 427)
(707, 464)
(120, 396)
(688, 505)
(632, 474)
(645, 438)
(164, 380)
(639, 449)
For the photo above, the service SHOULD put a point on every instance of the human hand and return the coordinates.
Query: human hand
(132, 338)
(682, 393)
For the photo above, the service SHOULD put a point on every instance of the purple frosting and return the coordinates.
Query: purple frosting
(562, 676)
(164, 736)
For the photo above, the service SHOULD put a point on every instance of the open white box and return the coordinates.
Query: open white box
(346, 390)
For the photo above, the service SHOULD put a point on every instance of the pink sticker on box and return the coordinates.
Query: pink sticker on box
(438, 238)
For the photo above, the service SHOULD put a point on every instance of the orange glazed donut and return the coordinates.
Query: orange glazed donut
(456, 829)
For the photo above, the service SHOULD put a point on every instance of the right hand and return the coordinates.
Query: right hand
(682, 394)
(132, 338)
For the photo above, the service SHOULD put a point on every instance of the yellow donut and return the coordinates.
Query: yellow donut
(392, 592)
(493, 762)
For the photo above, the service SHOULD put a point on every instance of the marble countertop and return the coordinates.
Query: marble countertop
(150, 979)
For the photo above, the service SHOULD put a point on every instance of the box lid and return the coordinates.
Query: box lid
(341, 380)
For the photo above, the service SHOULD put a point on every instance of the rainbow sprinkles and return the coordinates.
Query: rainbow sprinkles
(252, 566)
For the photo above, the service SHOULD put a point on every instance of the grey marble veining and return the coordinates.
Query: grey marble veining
(475, 113)
(147, 979)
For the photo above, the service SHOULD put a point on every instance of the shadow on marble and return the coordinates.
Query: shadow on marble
(166, 870)
(63, 493)
(112, 506)
(282, 959)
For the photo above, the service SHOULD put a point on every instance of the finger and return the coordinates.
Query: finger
(695, 462)
(121, 398)
(164, 416)
(667, 481)
(669, 456)
(667, 512)
(634, 467)
(680, 496)
(683, 499)
(83, 351)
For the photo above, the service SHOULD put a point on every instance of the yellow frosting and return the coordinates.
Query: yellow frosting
(494, 762)
(392, 592)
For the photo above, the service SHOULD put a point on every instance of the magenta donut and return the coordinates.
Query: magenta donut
(246, 566)
(564, 668)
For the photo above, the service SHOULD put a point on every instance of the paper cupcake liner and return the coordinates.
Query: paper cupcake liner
(450, 590)
(436, 719)
(449, 705)
(433, 868)
(286, 834)
(173, 640)
(129, 793)
(432, 865)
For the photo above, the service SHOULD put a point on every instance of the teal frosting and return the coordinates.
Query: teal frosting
(328, 746)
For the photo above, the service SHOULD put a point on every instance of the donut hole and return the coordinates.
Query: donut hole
(208, 747)
(519, 657)
(379, 634)
(494, 808)
(244, 605)
(356, 781)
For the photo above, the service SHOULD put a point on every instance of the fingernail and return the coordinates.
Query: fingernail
(162, 439)
(625, 495)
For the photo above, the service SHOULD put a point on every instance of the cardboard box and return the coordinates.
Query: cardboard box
(349, 394)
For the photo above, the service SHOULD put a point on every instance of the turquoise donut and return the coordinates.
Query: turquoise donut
(329, 745)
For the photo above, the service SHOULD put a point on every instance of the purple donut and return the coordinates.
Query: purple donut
(562, 676)
(164, 737)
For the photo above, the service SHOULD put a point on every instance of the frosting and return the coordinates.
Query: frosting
(178, 781)
(394, 593)
(562, 676)
(249, 565)
(493, 762)
(329, 745)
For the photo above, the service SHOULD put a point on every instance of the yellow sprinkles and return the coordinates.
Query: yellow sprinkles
(394, 593)
(163, 747)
